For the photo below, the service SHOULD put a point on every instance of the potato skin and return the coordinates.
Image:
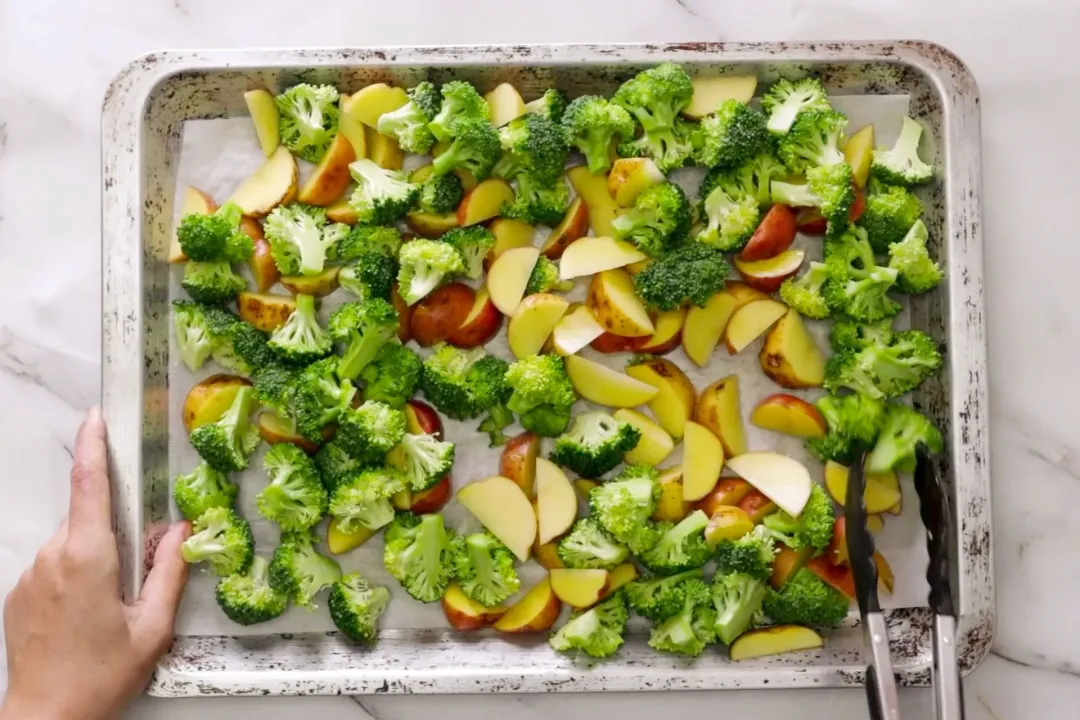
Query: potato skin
(266, 311)
(440, 314)
(604, 300)
(319, 285)
(208, 399)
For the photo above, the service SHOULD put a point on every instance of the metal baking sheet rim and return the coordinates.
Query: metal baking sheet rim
(205, 666)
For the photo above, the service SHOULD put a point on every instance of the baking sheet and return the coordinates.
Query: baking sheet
(218, 154)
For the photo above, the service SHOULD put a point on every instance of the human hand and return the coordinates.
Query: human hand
(74, 649)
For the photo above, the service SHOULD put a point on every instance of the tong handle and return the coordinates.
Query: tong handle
(880, 680)
(948, 693)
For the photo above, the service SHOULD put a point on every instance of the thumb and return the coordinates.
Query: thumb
(162, 590)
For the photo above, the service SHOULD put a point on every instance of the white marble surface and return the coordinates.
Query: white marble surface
(56, 57)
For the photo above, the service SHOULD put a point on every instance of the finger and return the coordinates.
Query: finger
(90, 509)
(164, 586)
(58, 539)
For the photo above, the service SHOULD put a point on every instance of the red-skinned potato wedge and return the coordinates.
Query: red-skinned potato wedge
(837, 552)
(194, 202)
(464, 613)
(668, 333)
(809, 221)
(789, 415)
(340, 543)
(480, 325)
(769, 274)
(773, 236)
(484, 202)
(579, 588)
(518, 461)
(266, 311)
(774, 640)
(610, 343)
(619, 576)
(787, 563)
(727, 523)
(536, 611)
(750, 322)
(859, 206)
(838, 577)
(273, 184)
(728, 491)
(719, 408)
(440, 314)
(757, 505)
(403, 313)
(261, 263)
(547, 554)
(208, 400)
(274, 431)
(421, 419)
(509, 233)
(573, 226)
(434, 498)
(331, 175)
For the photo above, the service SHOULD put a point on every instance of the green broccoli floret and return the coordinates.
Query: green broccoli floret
(364, 328)
(658, 220)
(692, 628)
(588, 545)
(300, 238)
(308, 119)
(737, 598)
(850, 335)
(275, 390)
(362, 500)
(498, 419)
(226, 443)
(295, 498)
(593, 125)
(212, 283)
(542, 393)
(669, 149)
(594, 444)
(856, 286)
(485, 569)
(419, 552)
(901, 164)
(730, 221)
(786, 100)
(441, 195)
(890, 212)
(461, 103)
(362, 239)
(320, 398)
(545, 278)
(392, 376)
(688, 275)
(355, 607)
(658, 598)
(806, 600)
(546, 420)
(299, 571)
(247, 598)
(903, 430)
(381, 196)
(301, 340)
(221, 537)
(552, 105)
(814, 141)
(730, 136)
(854, 421)
(681, 547)
(884, 371)
(199, 330)
(532, 145)
(804, 293)
(597, 632)
(216, 236)
(475, 148)
(752, 178)
(201, 489)
(536, 203)
(473, 244)
(335, 465)
(654, 97)
(916, 272)
(463, 383)
(829, 189)
(752, 554)
(424, 266)
(624, 505)
(371, 276)
(370, 431)
(427, 460)
(812, 528)
(243, 348)
(409, 123)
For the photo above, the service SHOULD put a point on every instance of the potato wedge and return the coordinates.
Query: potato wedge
(261, 263)
(674, 401)
(709, 92)
(273, 184)
(264, 116)
(351, 127)
(208, 400)
(383, 150)
(775, 640)
(505, 104)
(369, 103)
(593, 189)
(331, 175)
(616, 307)
(655, 444)
(319, 285)
(194, 202)
(790, 357)
(484, 202)
(442, 313)
(604, 386)
(719, 409)
(573, 226)
(265, 311)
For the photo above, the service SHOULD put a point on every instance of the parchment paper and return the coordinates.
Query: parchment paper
(218, 154)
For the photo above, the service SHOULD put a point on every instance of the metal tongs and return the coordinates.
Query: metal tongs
(937, 517)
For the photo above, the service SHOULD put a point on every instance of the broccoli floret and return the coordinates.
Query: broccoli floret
(299, 571)
(473, 244)
(392, 376)
(552, 105)
(247, 598)
(692, 628)
(658, 220)
(498, 419)
(594, 444)
(804, 293)
(221, 537)
(901, 164)
(751, 178)
(275, 390)
(545, 278)
(364, 328)
(381, 196)
(669, 149)
(850, 335)
(903, 430)
(335, 465)
(355, 607)
(853, 421)
(199, 329)
(737, 598)
(884, 371)
(916, 272)
(301, 340)
(654, 97)
(688, 275)
(597, 632)
(624, 505)
(829, 189)
(226, 443)
(659, 598)
(463, 383)
(542, 393)
(475, 148)
(362, 500)
(806, 600)
(371, 276)
(419, 553)
(461, 103)
(786, 100)
(370, 431)
(536, 203)
(216, 236)
(424, 266)
(441, 195)
(532, 145)
(890, 212)
(856, 286)
(308, 119)
(812, 528)
(681, 547)
(300, 238)
(320, 398)
(752, 554)
(427, 460)
(730, 136)
(588, 545)
(409, 123)
(814, 141)
(362, 239)
(485, 569)
(546, 420)
(730, 220)
(212, 282)
(593, 125)
(201, 489)
(295, 498)
(243, 349)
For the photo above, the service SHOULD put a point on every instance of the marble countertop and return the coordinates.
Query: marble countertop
(57, 57)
